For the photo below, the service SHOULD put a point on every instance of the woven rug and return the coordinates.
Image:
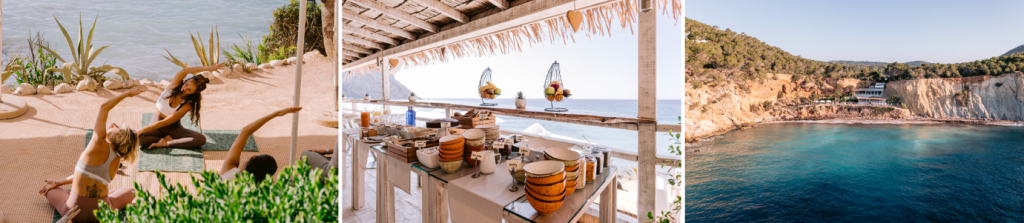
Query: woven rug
(216, 139)
(165, 159)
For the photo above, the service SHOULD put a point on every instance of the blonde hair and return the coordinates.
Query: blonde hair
(124, 142)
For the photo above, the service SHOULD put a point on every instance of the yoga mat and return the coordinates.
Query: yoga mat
(216, 139)
(165, 159)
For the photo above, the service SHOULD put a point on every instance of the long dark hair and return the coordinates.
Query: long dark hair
(193, 99)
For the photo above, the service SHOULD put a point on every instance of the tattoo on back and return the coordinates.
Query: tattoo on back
(92, 191)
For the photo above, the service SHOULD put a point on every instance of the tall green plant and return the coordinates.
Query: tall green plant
(249, 54)
(37, 64)
(209, 55)
(9, 70)
(83, 55)
(297, 195)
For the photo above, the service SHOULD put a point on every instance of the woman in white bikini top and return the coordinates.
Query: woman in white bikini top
(181, 97)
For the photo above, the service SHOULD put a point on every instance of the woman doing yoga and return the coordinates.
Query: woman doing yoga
(96, 167)
(181, 96)
(261, 166)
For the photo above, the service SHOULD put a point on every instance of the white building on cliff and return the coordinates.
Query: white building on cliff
(872, 95)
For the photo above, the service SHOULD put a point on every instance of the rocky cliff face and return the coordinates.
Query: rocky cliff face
(985, 97)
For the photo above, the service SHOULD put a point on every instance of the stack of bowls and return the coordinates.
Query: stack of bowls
(491, 132)
(474, 143)
(571, 160)
(545, 185)
(452, 150)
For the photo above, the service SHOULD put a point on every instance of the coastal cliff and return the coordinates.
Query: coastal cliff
(979, 97)
(716, 107)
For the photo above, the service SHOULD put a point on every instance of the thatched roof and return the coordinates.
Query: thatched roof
(423, 32)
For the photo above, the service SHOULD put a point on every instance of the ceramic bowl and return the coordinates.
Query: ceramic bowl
(474, 134)
(569, 157)
(451, 166)
(572, 168)
(550, 190)
(520, 176)
(570, 187)
(541, 181)
(430, 161)
(451, 139)
(491, 132)
(541, 169)
(571, 175)
(451, 156)
(544, 207)
(549, 198)
(476, 142)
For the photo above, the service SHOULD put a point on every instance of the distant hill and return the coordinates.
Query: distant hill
(877, 63)
(711, 51)
(355, 87)
(1018, 49)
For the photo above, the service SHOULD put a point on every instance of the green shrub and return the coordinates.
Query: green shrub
(250, 53)
(283, 52)
(36, 63)
(297, 195)
(286, 23)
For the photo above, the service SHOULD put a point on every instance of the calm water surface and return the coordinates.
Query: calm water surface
(872, 173)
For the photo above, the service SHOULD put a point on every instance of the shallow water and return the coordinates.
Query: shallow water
(138, 31)
(872, 173)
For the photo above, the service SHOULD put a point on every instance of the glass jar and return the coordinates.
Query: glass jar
(591, 166)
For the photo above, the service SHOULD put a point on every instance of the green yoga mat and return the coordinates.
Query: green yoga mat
(216, 140)
(165, 159)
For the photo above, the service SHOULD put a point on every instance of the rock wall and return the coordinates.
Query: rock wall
(982, 97)
(726, 105)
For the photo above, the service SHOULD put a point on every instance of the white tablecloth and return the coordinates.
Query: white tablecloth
(481, 199)
(398, 174)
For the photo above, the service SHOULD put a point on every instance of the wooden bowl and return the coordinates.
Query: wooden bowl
(454, 147)
(571, 175)
(549, 190)
(543, 197)
(544, 207)
(572, 168)
(570, 187)
(449, 160)
(542, 169)
(451, 166)
(451, 156)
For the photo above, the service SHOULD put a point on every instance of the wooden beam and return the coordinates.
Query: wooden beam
(347, 57)
(501, 4)
(350, 29)
(444, 9)
(356, 17)
(647, 100)
(395, 13)
(349, 53)
(360, 41)
(357, 49)
(514, 17)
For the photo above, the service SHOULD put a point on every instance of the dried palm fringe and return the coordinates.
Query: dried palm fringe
(598, 21)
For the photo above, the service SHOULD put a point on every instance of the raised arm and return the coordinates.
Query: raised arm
(232, 160)
(100, 129)
(191, 70)
(185, 108)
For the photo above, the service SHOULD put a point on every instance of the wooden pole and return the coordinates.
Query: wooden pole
(300, 48)
(647, 108)
(385, 81)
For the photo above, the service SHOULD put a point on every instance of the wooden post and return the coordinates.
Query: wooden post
(647, 102)
(358, 173)
(385, 81)
(385, 191)
(608, 202)
(300, 48)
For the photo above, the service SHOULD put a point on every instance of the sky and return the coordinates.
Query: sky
(598, 68)
(886, 31)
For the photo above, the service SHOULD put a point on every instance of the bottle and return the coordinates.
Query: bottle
(410, 117)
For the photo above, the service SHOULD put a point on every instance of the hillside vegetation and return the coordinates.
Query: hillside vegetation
(739, 57)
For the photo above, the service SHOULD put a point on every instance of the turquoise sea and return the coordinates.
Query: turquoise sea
(858, 173)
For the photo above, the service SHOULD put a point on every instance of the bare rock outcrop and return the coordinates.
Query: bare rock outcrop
(980, 97)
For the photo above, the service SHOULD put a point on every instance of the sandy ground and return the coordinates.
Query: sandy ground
(45, 142)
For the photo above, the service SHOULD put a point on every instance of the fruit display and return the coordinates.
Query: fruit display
(489, 91)
(555, 91)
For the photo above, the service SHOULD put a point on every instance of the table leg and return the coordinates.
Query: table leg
(608, 202)
(385, 192)
(358, 174)
(442, 200)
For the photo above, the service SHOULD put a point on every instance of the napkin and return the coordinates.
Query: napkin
(398, 174)
(482, 199)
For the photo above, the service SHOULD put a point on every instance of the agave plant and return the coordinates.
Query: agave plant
(83, 55)
(205, 58)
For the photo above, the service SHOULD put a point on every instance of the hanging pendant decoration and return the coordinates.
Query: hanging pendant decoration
(394, 62)
(575, 18)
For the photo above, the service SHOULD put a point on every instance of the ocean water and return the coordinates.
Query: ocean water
(138, 31)
(668, 113)
(859, 173)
